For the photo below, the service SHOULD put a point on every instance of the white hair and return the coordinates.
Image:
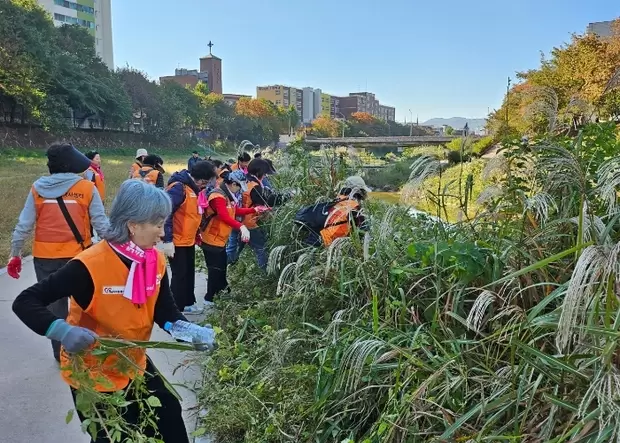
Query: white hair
(136, 202)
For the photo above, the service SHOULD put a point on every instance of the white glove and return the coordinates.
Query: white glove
(245, 234)
(168, 249)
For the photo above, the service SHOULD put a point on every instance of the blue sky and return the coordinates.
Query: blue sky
(438, 58)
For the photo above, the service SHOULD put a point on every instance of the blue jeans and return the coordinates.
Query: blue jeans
(258, 243)
(232, 247)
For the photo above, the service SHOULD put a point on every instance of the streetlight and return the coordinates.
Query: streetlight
(411, 127)
(507, 99)
(344, 119)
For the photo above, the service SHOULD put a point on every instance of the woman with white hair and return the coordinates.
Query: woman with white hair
(117, 288)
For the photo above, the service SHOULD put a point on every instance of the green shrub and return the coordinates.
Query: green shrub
(414, 152)
(389, 178)
(479, 147)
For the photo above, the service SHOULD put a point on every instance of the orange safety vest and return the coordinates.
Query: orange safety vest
(234, 166)
(147, 173)
(99, 183)
(217, 232)
(53, 237)
(186, 219)
(135, 166)
(250, 221)
(338, 223)
(110, 314)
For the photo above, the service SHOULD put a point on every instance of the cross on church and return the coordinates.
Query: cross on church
(210, 45)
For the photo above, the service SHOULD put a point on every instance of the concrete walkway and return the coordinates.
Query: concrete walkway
(34, 401)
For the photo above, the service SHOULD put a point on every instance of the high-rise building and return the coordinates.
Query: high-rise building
(317, 102)
(326, 102)
(94, 15)
(308, 105)
(602, 29)
(282, 95)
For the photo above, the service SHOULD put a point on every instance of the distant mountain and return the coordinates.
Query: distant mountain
(457, 122)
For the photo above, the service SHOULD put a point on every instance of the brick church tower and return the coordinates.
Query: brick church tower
(212, 65)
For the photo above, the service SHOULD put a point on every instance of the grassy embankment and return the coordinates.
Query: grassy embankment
(19, 170)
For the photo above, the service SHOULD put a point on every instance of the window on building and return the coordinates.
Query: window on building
(75, 6)
(277, 92)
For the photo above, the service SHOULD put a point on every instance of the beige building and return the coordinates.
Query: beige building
(94, 16)
(282, 95)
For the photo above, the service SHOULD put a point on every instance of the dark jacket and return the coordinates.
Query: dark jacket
(192, 161)
(263, 196)
(177, 196)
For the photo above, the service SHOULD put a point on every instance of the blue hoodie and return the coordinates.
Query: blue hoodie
(54, 186)
(177, 195)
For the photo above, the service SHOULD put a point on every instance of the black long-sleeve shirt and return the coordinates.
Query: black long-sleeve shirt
(262, 196)
(74, 280)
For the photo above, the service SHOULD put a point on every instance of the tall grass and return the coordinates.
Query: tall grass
(502, 327)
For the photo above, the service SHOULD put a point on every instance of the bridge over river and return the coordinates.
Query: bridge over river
(417, 140)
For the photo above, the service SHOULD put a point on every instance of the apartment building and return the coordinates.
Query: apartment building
(326, 104)
(602, 29)
(93, 15)
(366, 102)
(282, 95)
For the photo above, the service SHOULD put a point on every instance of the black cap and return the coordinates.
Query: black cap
(63, 157)
(194, 152)
(155, 161)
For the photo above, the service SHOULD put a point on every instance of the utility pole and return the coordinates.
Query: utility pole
(507, 99)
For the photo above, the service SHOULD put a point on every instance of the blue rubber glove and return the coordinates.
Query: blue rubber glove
(73, 338)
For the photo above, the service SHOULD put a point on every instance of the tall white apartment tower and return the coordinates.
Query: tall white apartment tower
(94, 15)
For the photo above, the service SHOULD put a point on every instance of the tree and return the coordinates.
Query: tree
(217, 115)
(449, 130)
(324, 126)
(293, 118)
(569, 88)
(143, 95)
(363, 118)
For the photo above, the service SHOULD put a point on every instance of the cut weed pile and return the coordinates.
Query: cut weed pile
(18, 172)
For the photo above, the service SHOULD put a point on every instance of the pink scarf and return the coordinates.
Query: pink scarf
(97, 169)
(203, 201)
(142, 280)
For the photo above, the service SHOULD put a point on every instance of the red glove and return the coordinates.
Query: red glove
(261, 209)
(198, 240)
(14, 267)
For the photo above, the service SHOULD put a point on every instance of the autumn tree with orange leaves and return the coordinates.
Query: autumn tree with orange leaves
(324, 126)
(572, 86)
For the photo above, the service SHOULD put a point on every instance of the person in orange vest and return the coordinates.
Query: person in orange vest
(217, 225)
(152, 171)
(346, 213)
(181, 229)
(258, 195)
(95, 174)
(118, 288)
(243, 160)
(60, 208)
(137, 164)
